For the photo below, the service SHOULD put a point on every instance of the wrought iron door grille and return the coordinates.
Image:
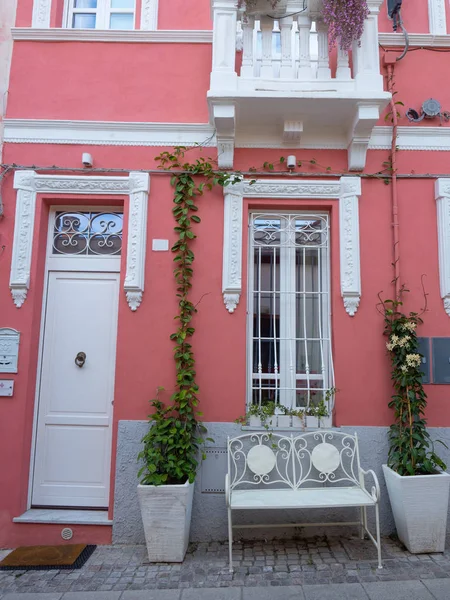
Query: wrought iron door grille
(88, 233)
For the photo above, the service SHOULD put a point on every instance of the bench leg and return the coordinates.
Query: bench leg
(363, 522)
(377, 517)
(230, 539)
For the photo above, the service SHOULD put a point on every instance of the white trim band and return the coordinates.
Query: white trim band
(28, 184)
(57, 34)
(43, 33)
(106, 133)
(415, 39)
(347, 190)
(118, 133)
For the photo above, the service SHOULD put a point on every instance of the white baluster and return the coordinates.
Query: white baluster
(343, 68)
(247, 69)
(286, 69)
(323, 63)
(266, 63)
(304, 28)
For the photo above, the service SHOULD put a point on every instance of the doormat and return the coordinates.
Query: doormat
(38, 558)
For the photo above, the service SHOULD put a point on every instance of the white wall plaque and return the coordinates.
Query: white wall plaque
(6, 387)
(160, 245)
(9, 349)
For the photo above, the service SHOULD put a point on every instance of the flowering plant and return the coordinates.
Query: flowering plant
(345, 20)
(411, 450)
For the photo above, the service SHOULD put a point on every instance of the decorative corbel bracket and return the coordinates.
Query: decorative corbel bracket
(224, 117)
(349, 243)
(292, 132)
(29, 183)
(364, 121)
(442, 195)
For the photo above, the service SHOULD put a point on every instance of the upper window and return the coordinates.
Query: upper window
(101, 14)
(289, 309)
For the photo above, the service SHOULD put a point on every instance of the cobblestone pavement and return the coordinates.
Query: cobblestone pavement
(257, 564)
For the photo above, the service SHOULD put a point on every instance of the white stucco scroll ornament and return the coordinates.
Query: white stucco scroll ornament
(346, 190)
(29, 183)
(442, 195)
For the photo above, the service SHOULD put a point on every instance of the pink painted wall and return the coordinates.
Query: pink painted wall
(168, 83)
(98, 93)
(172, 14)
(144, 351)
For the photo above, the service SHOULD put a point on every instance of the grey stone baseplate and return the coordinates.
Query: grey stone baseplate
(209, 519)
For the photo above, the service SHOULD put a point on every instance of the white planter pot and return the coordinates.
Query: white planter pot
(284, 421)
(264, 7)
(312, 421)
(419, 504)
(298, 422)
(254, 421)
(166, 515)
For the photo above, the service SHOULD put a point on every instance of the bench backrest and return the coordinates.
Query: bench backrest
(310, 459)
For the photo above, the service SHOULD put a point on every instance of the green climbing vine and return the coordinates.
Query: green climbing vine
(411, 450)
(174, 441)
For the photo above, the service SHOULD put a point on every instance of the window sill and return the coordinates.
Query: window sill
(56, 34)
(64, 517)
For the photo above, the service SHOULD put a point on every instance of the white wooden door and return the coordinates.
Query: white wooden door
(73, 441)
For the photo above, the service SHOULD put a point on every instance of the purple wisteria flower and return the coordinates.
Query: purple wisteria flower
(345, 20)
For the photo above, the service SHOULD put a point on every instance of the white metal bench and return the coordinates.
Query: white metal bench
(318, 469)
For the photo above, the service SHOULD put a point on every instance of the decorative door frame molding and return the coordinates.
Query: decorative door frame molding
(442, 196)
(346, 190)
(29, 183)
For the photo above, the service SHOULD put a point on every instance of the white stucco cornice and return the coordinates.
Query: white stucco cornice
(182, 36)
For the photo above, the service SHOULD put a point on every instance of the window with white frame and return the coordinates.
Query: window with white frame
(101, 14)
(290, 359)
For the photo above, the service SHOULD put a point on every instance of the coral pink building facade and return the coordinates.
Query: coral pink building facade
(288, 268)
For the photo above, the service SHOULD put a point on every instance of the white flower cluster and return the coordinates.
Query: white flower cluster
(413, 360)
(409, 326)
(398, 341)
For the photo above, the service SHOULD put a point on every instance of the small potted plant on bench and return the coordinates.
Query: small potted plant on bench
(416, 480)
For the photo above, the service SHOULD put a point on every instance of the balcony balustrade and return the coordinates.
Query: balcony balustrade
(287, 89)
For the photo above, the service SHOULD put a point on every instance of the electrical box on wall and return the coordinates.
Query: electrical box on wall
(9, 349)
(424, 349)
(441, 360)
(214, 468)
(6, 387)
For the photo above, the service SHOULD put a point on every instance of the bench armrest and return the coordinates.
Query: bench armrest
(375, 491)
(227, 489)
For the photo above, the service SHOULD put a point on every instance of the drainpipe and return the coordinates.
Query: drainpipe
(389, 62)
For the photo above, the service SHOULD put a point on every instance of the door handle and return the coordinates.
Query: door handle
(80, 359)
